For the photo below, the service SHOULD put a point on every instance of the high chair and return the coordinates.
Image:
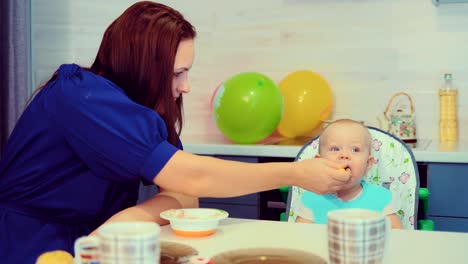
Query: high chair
(394, 168)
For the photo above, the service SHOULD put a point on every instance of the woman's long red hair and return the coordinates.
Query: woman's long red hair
(137, 53)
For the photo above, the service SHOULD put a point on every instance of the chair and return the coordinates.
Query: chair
(394, 168)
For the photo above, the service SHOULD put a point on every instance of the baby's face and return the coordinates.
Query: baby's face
(348, 142)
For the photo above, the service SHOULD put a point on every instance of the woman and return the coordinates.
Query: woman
(80, 149)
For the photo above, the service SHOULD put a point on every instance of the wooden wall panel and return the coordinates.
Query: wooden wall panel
(366, 50)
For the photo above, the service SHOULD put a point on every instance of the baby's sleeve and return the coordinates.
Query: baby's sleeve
(393, 205)
(303, 211)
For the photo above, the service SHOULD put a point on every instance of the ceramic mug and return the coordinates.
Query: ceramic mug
(357, 236)
(125, 242)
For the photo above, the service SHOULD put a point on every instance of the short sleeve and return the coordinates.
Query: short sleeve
(114, 136)
(393, 206)
(303, 211)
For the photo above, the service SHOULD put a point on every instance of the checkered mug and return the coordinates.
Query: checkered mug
(126, 242)
(357, 236)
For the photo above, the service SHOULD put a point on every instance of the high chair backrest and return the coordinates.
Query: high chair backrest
(394, 168)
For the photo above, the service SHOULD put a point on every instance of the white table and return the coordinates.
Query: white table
(404, 246)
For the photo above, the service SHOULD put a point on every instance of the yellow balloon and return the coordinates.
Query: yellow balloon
(308, 101)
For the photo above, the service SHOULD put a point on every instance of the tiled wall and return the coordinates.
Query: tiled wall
(367, 50)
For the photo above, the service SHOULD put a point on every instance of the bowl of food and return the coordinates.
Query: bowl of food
(267, 256)
(194, 222)
(175, 253)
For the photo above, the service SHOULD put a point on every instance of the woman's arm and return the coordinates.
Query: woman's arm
(202, 176)
(150, 209)
(187, 176)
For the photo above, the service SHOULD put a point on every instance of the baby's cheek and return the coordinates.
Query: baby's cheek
(354, 180)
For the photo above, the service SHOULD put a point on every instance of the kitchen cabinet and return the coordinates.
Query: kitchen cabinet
(240, 207)
(252, 206)
(246, 206)
(448, 199)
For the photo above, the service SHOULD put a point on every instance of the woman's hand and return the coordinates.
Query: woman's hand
(320, 176)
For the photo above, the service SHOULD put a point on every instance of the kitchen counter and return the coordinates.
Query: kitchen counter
(426, 150)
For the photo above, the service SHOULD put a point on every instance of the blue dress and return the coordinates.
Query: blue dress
(75, 158)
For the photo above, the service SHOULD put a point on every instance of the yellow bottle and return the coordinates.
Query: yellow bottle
(448, 121)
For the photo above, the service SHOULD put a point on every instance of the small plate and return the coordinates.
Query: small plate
(194, 214)
(173, 253)
(267, 256)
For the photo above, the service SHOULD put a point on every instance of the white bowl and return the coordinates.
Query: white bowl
(194, 222)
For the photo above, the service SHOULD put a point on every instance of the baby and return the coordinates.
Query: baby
(350, 141)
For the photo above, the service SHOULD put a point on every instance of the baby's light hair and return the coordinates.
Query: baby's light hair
(349, 121)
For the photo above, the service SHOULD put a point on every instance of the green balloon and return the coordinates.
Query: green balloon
(248, 107)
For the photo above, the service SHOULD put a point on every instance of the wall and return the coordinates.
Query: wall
(367, 50)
